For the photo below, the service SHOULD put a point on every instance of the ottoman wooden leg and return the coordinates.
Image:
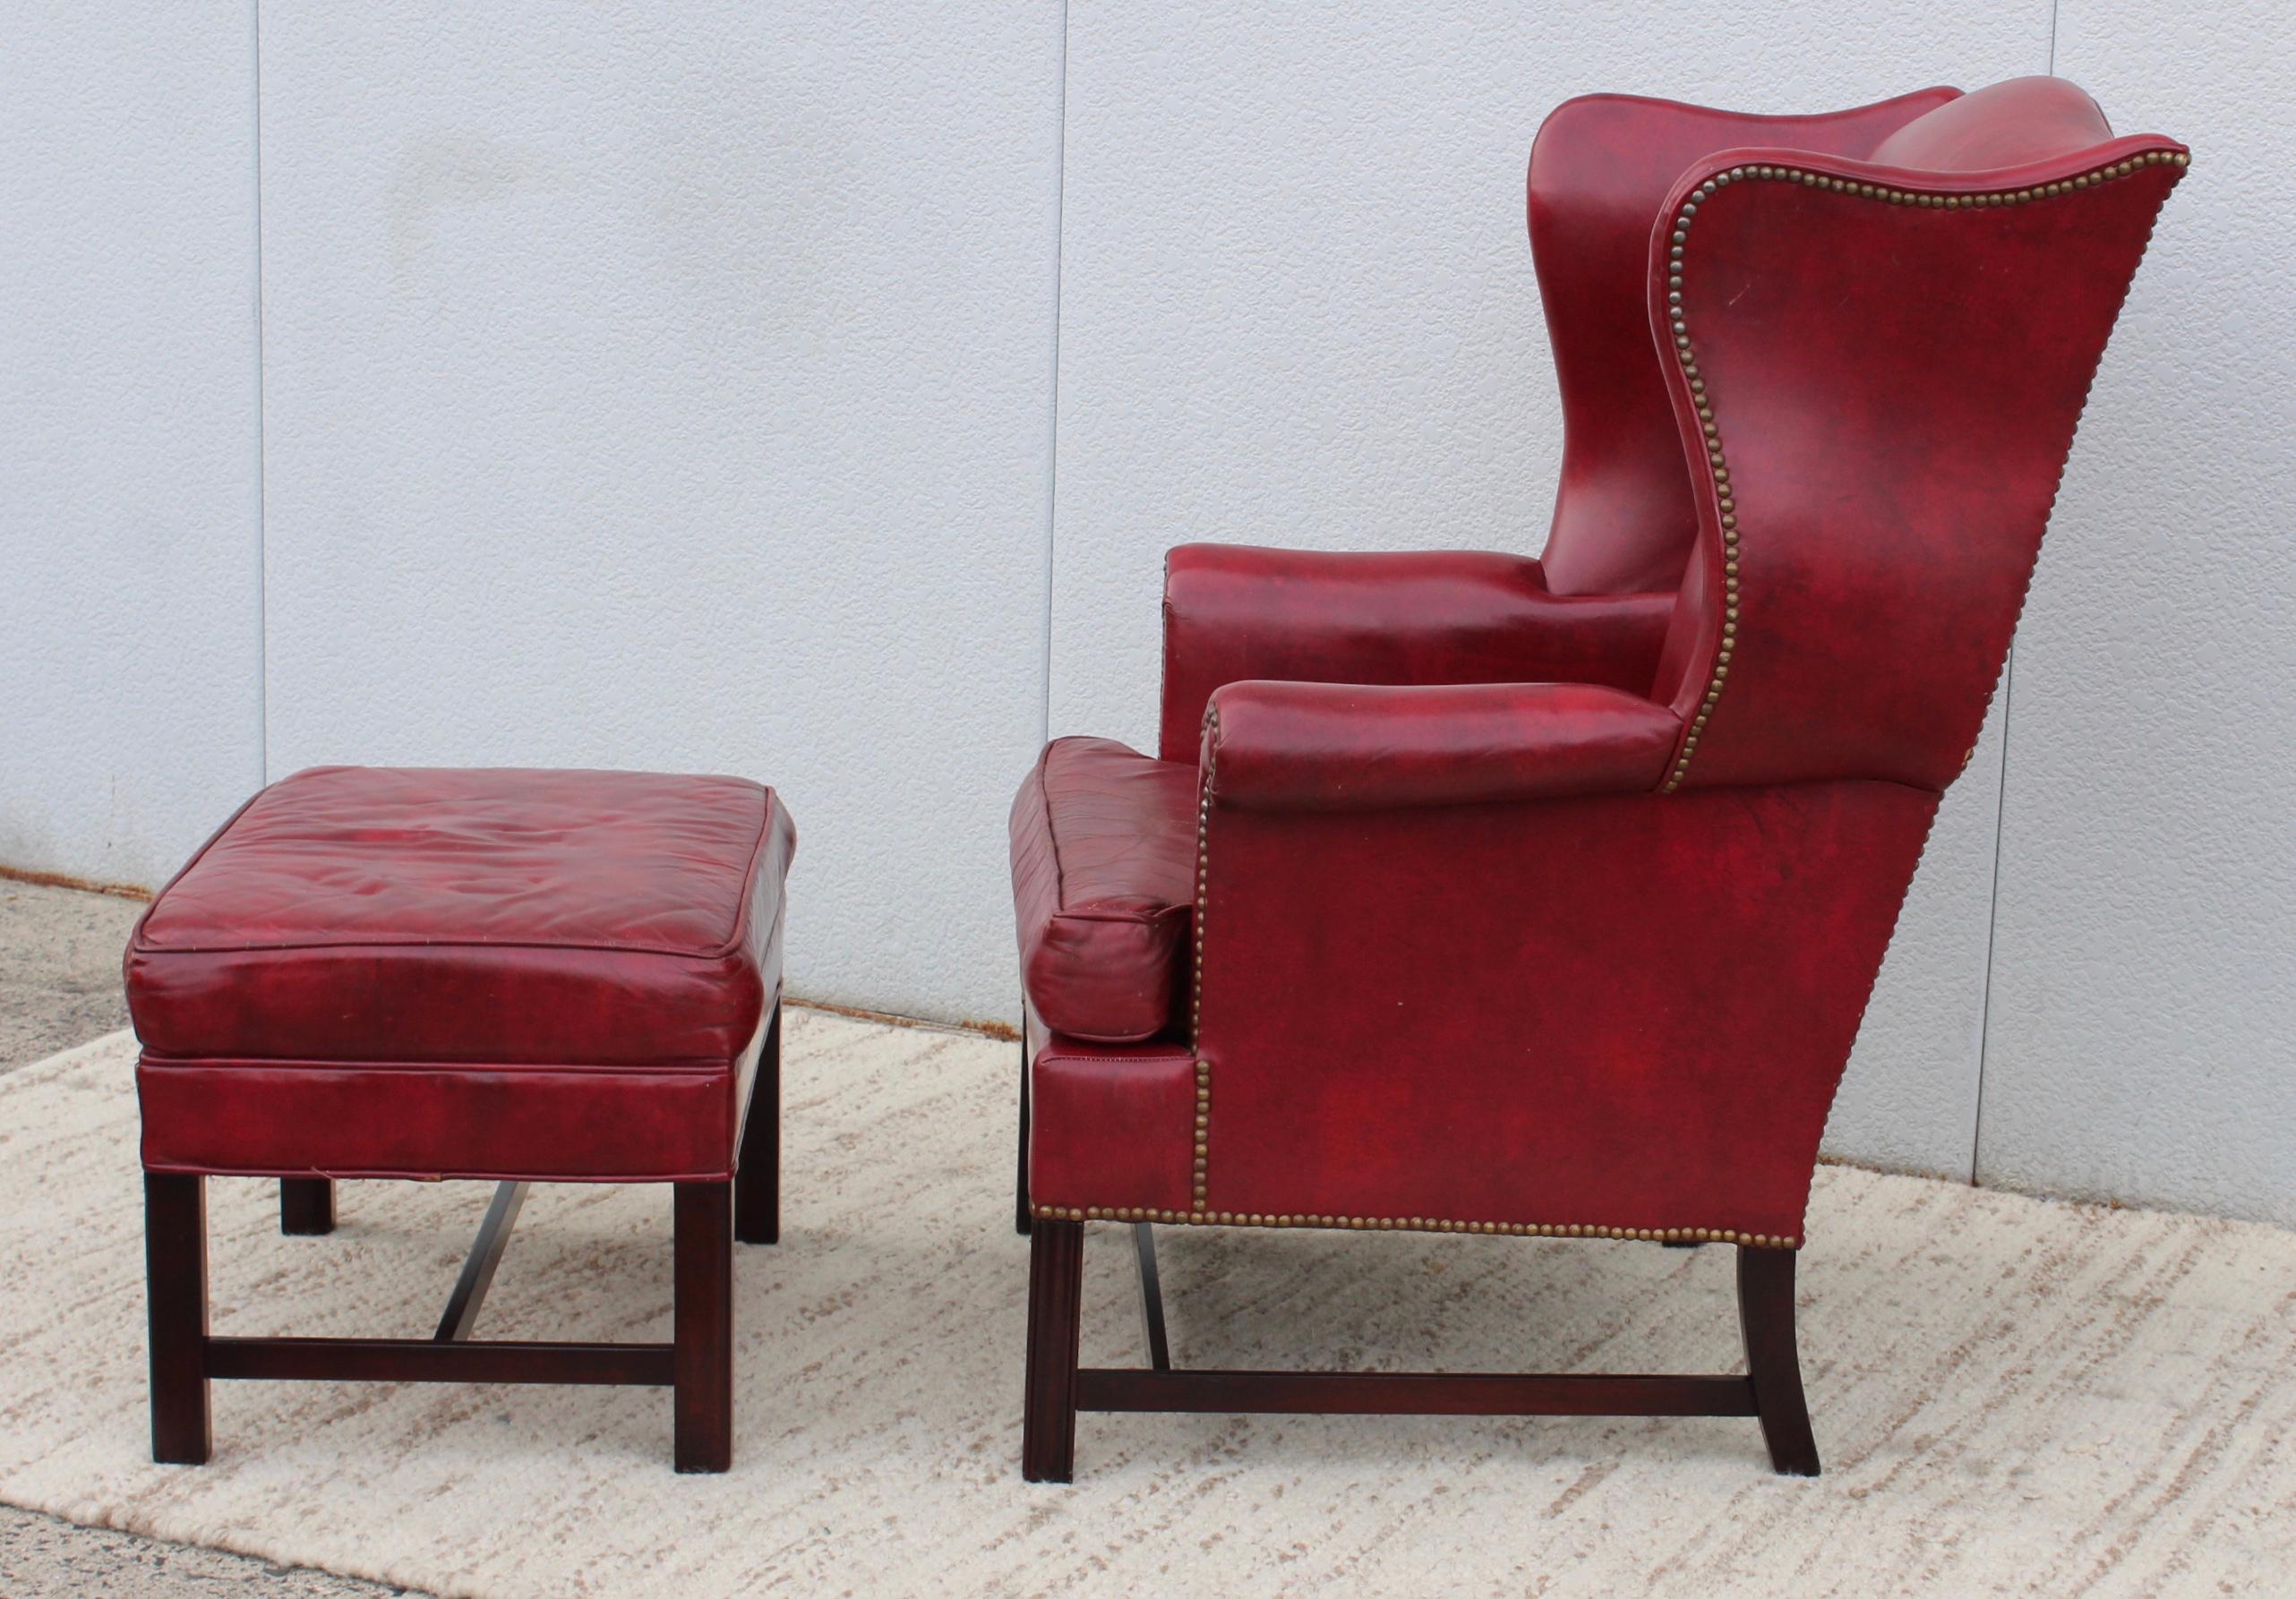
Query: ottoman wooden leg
(1056, 1276)
(703, 1356)
(175, 1250)
(306, 1207)
(756, 1179)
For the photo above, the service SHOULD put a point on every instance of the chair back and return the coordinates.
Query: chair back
(1600, 170)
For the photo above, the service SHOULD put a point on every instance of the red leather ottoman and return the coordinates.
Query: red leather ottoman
(520, 975)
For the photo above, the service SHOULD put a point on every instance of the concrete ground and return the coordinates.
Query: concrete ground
(60, 986)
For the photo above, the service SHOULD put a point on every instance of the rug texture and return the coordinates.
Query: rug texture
(2012, 1397)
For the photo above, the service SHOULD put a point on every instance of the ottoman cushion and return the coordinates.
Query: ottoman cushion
(423, 971)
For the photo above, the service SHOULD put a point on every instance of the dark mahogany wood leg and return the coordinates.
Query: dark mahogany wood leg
(757, 1181)
(1056, 1276)
(478, 1268)
(1151, 1297)
(306, 1207)
(704, 1337)
(1021, 1219)
(174, 1247)
(1766, 1313)
(1058, 1390)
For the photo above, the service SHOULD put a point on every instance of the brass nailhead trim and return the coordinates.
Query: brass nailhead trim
(1199, 1217)
(1199, 1177)
(1726, 504)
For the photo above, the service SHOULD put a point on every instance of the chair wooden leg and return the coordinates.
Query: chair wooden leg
(1022, 1221)
(1056, 1273)
(1057, 1388)
(703, 1356)
(1766, 1314)
(757, 1181)
(1151, 1297)
(306, 1207)
(174, 1246)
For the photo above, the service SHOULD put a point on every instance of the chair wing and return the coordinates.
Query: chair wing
(1876, 371)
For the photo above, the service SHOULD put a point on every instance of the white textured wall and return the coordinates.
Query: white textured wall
(2141, 1046)
(129, 604)
(674, 387)
(1298, 305)
(670, 386)
(1298, 309)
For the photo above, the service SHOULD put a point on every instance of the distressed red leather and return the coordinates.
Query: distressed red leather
(1104, 878)
(1136, 1103)
(1233, 611)
(1893, 437)
(1339, 746)
(466, 973)
(1617, 1011)
(1476, 951)
(2007, 124)
(1593, 607)
(426, 1119)
(1600, 171)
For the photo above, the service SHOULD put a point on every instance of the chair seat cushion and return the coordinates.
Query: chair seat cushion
(1104, 885)
(439, 972)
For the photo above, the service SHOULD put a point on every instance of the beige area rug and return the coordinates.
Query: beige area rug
(2012, 1396)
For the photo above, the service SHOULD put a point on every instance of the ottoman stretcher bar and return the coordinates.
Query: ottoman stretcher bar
(516, 976)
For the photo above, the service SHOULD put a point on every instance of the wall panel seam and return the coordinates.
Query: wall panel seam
(2000, 824)
(1052, 430)
(262, 453)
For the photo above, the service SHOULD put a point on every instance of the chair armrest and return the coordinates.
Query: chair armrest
(1329, 746)
(1238, 612)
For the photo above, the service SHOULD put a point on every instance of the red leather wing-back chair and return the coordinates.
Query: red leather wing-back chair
(1454, 902)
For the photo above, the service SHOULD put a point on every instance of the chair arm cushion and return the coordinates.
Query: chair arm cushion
(1238, 612)
(1336, 746)
(1103, 887)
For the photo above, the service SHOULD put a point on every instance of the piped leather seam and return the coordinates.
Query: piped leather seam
(699, 1070)
(1146, 918)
